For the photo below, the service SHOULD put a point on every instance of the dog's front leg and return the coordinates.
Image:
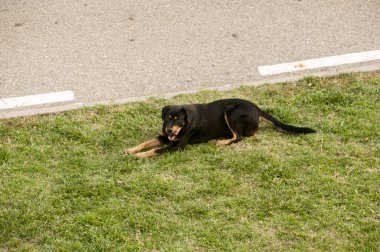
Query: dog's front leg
(148, 144)
(174, 146)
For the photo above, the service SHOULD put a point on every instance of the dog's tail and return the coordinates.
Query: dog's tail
(285, 128)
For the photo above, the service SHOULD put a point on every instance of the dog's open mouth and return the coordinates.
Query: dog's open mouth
(173, 133)
(172, 136)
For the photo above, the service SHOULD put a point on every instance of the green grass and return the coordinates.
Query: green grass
(65, 185)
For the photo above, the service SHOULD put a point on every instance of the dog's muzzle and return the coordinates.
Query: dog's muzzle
(172, 133)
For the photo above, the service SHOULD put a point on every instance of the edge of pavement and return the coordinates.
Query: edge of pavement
(374, 67)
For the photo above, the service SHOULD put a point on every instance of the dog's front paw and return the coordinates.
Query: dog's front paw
(140, 155)
(146, 154)
(130, 151)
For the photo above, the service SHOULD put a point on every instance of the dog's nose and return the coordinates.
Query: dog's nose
(169, 130)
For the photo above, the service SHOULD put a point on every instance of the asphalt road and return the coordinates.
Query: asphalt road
(104, 50)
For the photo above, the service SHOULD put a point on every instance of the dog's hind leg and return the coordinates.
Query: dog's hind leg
(241, 121)
(236, 135)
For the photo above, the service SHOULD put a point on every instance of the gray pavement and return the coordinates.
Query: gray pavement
(117, 49)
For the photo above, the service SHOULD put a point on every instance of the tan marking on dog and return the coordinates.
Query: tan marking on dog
(145, 145)
(227, 141)
(263, 119)
(176, 129)
(146, 154)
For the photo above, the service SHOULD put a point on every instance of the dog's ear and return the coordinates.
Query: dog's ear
(164, 112)
(189, 114)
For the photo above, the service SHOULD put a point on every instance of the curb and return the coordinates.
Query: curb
(61, 108)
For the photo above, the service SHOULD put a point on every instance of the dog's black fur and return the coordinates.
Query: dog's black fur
(197, 123)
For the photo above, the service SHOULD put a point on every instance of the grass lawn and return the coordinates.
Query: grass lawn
(65, 185)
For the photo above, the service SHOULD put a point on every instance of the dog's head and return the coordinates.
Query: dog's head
(175, 120)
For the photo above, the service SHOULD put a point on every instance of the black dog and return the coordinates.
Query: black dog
(196, 123)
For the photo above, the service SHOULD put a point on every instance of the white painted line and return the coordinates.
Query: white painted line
(320, 62)
(9, 103)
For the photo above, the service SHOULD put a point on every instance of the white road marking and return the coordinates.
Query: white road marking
(22, 101)
(320, 62)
